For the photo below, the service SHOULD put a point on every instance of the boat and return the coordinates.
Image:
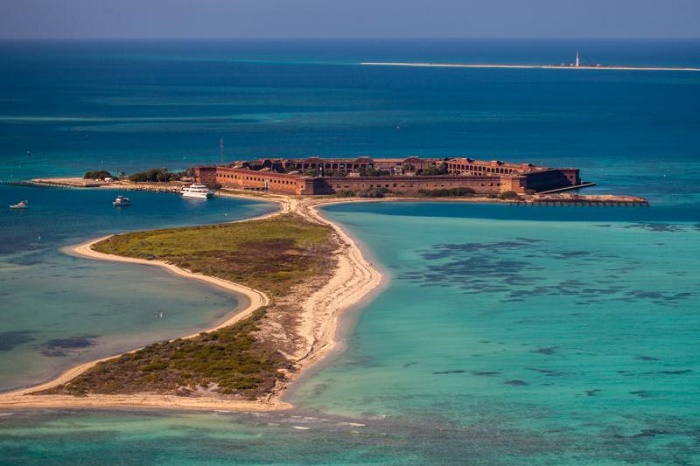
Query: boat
(197, 190)
(121, 201)
(20, 205)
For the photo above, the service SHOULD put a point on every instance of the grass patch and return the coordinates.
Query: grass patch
(270, 255)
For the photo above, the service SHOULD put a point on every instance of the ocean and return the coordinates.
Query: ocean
(537, 335)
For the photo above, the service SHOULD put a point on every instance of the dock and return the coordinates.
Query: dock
(585, 184)
(79, 183)
(575, 200)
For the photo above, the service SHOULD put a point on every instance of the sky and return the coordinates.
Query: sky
(73, 19)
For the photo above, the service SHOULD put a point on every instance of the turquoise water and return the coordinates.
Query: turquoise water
(578, 333)
(507, 334)
(50, 298)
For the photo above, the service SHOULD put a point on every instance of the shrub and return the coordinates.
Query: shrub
(373, 172)
(509, 195)
(157, 175)
(373, 193)
(434, 171)
(97, 175)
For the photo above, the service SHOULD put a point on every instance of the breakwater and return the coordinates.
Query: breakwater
(170, 187)
(569, 200)
(32, 184)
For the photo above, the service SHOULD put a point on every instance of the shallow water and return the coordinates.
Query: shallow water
(59, 310)
(508, 334)
(576, 332)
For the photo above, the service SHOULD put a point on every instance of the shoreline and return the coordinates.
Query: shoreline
(352, 284)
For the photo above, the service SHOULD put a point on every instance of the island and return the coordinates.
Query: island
(576, 65)
(299, 272)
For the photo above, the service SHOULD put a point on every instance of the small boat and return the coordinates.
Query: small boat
(197, 190)
(121, 201)
(20, 205)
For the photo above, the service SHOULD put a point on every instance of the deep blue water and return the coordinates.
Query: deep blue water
(507, 335)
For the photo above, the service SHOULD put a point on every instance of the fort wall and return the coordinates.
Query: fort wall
(410, 184)
(286, 176)
(282, 183)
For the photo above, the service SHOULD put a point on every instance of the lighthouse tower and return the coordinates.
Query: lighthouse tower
(578, 62)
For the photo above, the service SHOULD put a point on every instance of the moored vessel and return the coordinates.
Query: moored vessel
(197, 190)
(121, 201)
(20, 205)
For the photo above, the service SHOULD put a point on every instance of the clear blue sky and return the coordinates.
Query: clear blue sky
(348, 18)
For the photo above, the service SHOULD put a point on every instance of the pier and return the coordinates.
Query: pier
(573, 200)
(33, 184)
(585, 184)
(79, 183)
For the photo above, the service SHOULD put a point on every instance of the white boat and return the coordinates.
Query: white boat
(197, 190)
(121, 201)
(20, 205)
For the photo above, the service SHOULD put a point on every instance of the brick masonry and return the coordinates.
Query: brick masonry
(284, 176)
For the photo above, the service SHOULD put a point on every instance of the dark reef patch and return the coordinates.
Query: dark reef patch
(520, 280)
(60, 346)
(571, 254)
(647, 358)
(657, 227)
(12, 339)
(519, 270)
(442, 251)
(657, 297)
(650, 433)
(548, 351)
(546, 372)
(516, 383)
(678, 372)
(456, 371)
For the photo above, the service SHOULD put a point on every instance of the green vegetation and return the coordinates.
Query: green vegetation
(373, 172)
(312, 172)
(509, 195)
(453, 192)
(155, 175)
(270, 255)
(335, 173)
(230, 360)
(97, 175)
(438, 170)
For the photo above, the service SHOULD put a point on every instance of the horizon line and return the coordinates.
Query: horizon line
(269, 38)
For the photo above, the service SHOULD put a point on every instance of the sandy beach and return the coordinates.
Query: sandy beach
(353, 281)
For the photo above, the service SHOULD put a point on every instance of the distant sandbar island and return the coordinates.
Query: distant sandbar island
(576, 65)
